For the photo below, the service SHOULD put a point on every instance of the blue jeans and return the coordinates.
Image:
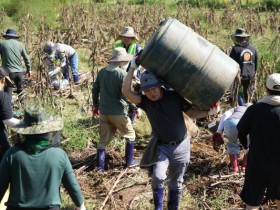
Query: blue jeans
(176, 158)
(73, 62)
(231, 133)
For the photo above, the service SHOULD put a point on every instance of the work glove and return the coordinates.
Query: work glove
(82, 207)
(135, 62)
(138, 112)
(95, 112)
(217, 140)
(214, 109)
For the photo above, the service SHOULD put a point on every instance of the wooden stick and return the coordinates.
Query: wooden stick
(229, 181)
(112, 189)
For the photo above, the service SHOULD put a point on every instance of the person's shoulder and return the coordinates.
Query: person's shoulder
(4, 95)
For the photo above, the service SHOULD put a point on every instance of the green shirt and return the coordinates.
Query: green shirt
(108, 85)
(11, 51)
(35, 179)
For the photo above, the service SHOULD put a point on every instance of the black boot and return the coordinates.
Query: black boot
(129, 150)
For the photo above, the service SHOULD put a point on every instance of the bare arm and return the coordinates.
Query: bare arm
(126, 88)
(196, 113)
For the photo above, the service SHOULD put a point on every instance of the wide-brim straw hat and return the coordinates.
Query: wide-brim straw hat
(36, 121)
(11, 33)
(4, 73)
(128, 32)
(240, 32)
(120, 55)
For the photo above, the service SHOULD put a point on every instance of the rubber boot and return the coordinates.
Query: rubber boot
(244, 162)
(129, 150)
(234, 162)
(158, 198)
(76, 79)
(101, 153)
(65, 76)
(173, 199)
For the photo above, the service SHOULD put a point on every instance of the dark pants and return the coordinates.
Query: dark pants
(245, 84)
(17, 78)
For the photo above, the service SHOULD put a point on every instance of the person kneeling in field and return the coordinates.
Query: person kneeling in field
(35, 167)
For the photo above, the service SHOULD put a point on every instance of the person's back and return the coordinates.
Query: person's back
(264, 136)
(246, 55)
(11, 53)
(111, 99)
(36, 167)
(48, 169)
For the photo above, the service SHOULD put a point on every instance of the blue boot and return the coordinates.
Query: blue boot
(76, 79)
(65, 75)
(101, 153)
(158, 198)
(173, 199)
(129, 150)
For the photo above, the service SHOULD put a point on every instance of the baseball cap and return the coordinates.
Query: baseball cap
(273, 82)
(5, 74)
(149, 80)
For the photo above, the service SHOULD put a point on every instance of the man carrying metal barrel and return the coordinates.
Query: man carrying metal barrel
(171, 149)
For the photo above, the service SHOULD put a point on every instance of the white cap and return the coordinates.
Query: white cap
(273, 82)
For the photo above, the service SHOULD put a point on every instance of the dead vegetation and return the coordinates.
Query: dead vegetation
(95, 27)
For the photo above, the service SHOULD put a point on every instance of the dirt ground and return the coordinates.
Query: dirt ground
(207, 179)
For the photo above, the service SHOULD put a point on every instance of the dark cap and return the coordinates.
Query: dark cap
(11, 33)
(4, 73)
(149, 80)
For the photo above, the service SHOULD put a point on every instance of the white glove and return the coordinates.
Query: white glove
(138, 113)
(214, 109)
(133, 63)
(82, 207)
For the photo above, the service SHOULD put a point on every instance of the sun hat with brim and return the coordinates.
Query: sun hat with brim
(240, 32)
(11, 33)
(273, 82)
(4, 73)
(120, 55)
(128, 32)
(149, 80)
(36, 121)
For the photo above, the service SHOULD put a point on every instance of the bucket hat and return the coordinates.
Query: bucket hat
(11, 33)
(128, 32)
(49, 47)
(273, 82)
(120, 55)
(36, 121)
(240, 32)
(149, 80)
(4, 73)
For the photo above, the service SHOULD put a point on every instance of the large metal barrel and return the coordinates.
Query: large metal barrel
(188, 63)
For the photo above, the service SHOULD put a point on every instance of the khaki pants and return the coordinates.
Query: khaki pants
(109, 124)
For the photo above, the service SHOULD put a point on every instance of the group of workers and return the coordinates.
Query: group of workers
(168, 152)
